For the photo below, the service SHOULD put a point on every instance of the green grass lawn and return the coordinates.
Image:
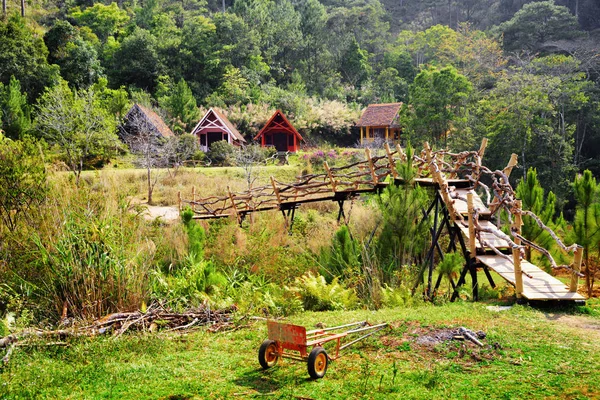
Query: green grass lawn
(540, 354)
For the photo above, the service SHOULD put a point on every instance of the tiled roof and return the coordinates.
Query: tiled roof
(380, 115)
(234, 132)
(154, 119)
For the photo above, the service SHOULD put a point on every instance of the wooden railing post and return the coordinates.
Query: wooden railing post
(391, 161)
(516, 251)
(401, 152)
(234, 207)
(330, 175)
(193, 197)
(576, 268)
(371, 166)
(471, 211)
(276, 190)
(480, 153)
(511, 164)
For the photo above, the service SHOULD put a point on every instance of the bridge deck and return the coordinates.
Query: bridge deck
(541, 285)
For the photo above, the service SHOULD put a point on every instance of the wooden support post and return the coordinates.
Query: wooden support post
(471, 211)
(576, 268)
(179, 200)
(371, 166)
(330, 175)
(387, 133)
(361, 134)
(518, 273)
(391, 161)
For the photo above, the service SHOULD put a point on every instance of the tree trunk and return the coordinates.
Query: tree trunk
(4, 7)
(224, 9)
(149, 186)
(22, 8)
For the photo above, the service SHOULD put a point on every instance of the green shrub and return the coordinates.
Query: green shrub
(221, 153)
(191, 285)
(343, 258)
(317, 295)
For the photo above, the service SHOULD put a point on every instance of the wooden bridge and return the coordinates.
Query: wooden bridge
(472, 222)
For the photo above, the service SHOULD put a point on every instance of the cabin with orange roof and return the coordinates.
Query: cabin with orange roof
(279, 133)
(380, 122)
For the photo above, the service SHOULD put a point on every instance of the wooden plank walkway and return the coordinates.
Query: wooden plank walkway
(487, 237)
(541, 285)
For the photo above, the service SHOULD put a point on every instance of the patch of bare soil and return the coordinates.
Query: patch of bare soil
(167, 214)
(592, 326)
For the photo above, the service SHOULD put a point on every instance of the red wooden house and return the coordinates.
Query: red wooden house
(279, 133)
(214, 127)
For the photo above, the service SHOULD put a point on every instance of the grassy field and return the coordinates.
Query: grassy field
(529, 354)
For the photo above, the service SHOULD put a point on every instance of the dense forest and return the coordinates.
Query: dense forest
(523, 73)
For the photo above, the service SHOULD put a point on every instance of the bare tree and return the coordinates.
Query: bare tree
(249, 158)
(75, 122)
(149, 147)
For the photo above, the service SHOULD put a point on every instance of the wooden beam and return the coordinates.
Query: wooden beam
(576, 268)
(387, 133)
(361, 134)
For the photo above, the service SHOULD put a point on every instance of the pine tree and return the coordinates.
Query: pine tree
(14, 110)
(586, 228)
(531, 193)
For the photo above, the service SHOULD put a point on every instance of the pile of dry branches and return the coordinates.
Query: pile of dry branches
(155, 318)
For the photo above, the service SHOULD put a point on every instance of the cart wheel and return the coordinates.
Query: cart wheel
(267, 354)
(317, 363)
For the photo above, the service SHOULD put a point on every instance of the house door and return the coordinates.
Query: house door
(213, 137)
(280, 141)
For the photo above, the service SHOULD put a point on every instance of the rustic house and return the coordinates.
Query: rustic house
(142, 121)
(279, 133)
(380, 121)
(214, 127)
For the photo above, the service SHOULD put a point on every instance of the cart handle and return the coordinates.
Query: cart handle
(374, 328)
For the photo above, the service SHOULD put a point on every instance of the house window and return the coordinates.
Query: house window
(202, 140)
(268, 140)
(379, 132)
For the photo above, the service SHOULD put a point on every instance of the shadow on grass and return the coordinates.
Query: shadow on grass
(267, 381)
